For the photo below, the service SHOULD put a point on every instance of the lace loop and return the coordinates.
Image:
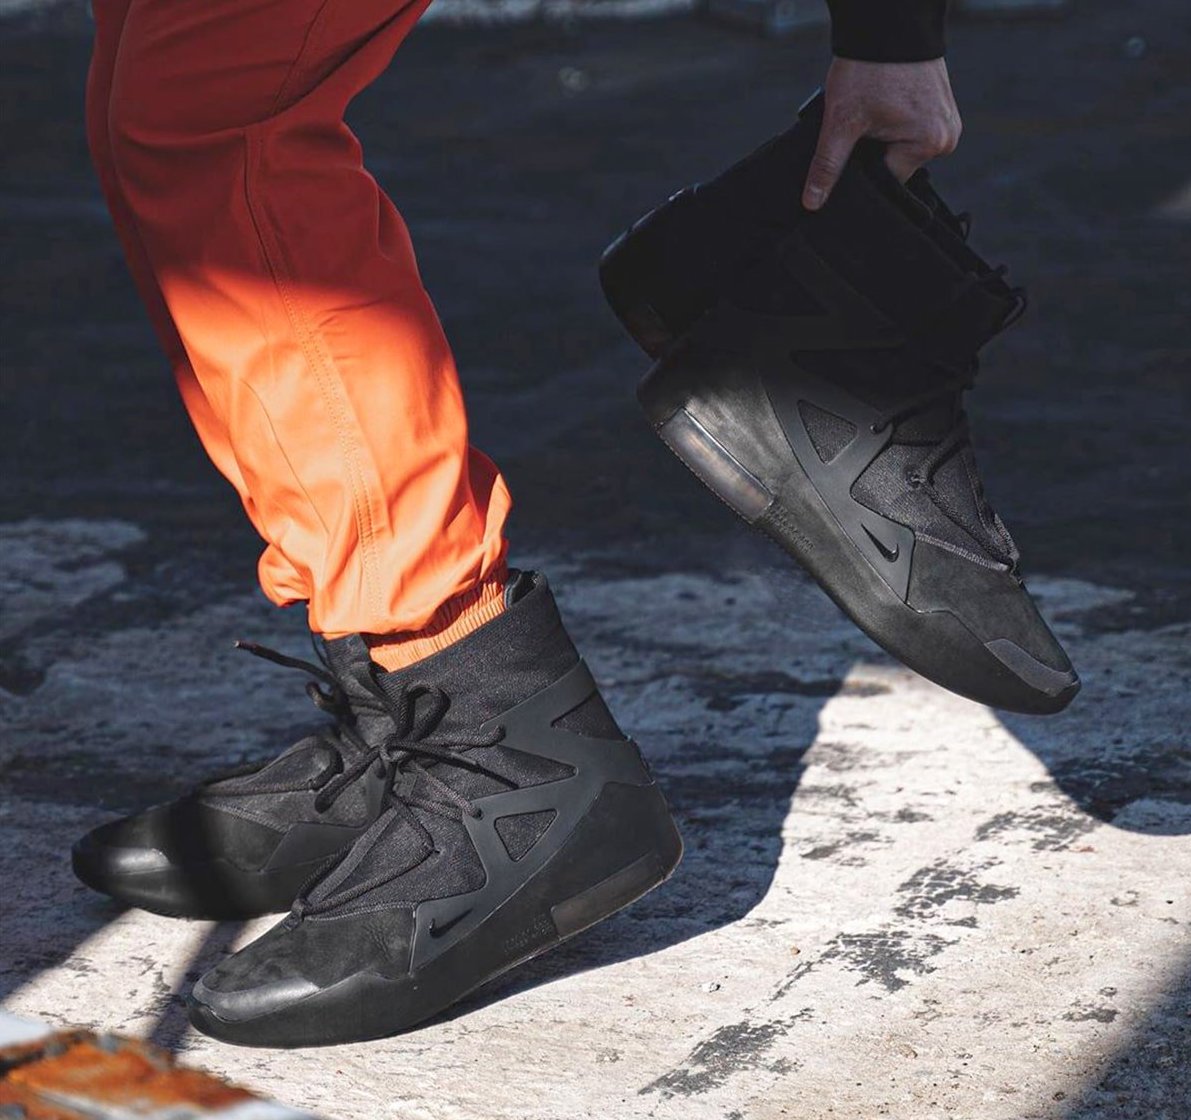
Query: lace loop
(958, 435)
(408, 753)
(404, 754)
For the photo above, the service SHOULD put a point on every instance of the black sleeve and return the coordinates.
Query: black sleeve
(888, 30)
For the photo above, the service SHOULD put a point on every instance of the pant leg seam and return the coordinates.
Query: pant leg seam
(321, 365)
(313, 37)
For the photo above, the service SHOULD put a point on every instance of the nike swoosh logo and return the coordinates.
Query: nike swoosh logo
(437, 930)
(890, 554)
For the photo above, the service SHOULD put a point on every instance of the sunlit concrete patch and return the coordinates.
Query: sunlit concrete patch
(15, 1031)
(893, 902)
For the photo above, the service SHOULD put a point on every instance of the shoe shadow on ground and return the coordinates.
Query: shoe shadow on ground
(1148, 1075)
(1137, 778)
(172, 1024)
(731, 805)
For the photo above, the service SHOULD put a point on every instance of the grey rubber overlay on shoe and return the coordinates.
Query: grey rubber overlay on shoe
(442, 922)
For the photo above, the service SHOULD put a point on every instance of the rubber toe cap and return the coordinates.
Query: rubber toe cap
(1052, 688)
(299, 984)
(114, 850)
(237, 1005)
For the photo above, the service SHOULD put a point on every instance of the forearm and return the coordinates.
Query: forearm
(888, 30)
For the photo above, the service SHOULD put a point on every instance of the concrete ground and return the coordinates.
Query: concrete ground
(894, 902)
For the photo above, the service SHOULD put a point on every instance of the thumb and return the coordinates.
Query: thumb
(837, 138)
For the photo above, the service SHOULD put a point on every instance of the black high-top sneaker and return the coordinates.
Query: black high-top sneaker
(518, 815)
(243, 845)
(811, 372)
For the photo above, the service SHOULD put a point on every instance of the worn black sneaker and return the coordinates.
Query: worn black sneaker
(811, 372)
(519, 815)
(244, 844)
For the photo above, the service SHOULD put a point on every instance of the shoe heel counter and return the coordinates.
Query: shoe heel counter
(655, 278)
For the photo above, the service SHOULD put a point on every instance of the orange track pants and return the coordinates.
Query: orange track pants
(283, 285)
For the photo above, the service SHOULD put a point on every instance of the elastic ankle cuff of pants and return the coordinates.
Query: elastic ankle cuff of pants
(455, 619)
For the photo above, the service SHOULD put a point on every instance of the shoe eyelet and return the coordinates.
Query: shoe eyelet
(915, 481)
(477, 814)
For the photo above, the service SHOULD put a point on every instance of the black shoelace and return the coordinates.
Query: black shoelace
(415, 709)
(957, 437)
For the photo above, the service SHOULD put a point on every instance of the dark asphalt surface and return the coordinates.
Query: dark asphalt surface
(512, 183)
(515, 154)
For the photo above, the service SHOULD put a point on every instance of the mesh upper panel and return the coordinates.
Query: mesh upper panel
(884, 381)
(522, 831)
(829, 433)
(590, 718)
(884, 489)
(498, 666)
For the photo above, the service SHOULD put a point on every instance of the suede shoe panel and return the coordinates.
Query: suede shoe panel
(322, 951)
(992, 603)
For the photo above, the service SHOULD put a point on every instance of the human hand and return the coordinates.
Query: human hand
(908, 106)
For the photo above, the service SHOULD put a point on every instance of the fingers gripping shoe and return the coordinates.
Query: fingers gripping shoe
(518, 816)
(243, 845)
(810, 372)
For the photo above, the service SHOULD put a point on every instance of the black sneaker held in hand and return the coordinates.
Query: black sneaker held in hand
(811, 369)
(518, 815)
(244, 845)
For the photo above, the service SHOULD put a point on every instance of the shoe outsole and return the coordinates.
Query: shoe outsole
(582, 884)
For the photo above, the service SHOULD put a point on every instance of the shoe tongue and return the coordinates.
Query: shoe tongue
(886, 384)
(499, 665)
(353, 667)
(957, 481)
(392, 846)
